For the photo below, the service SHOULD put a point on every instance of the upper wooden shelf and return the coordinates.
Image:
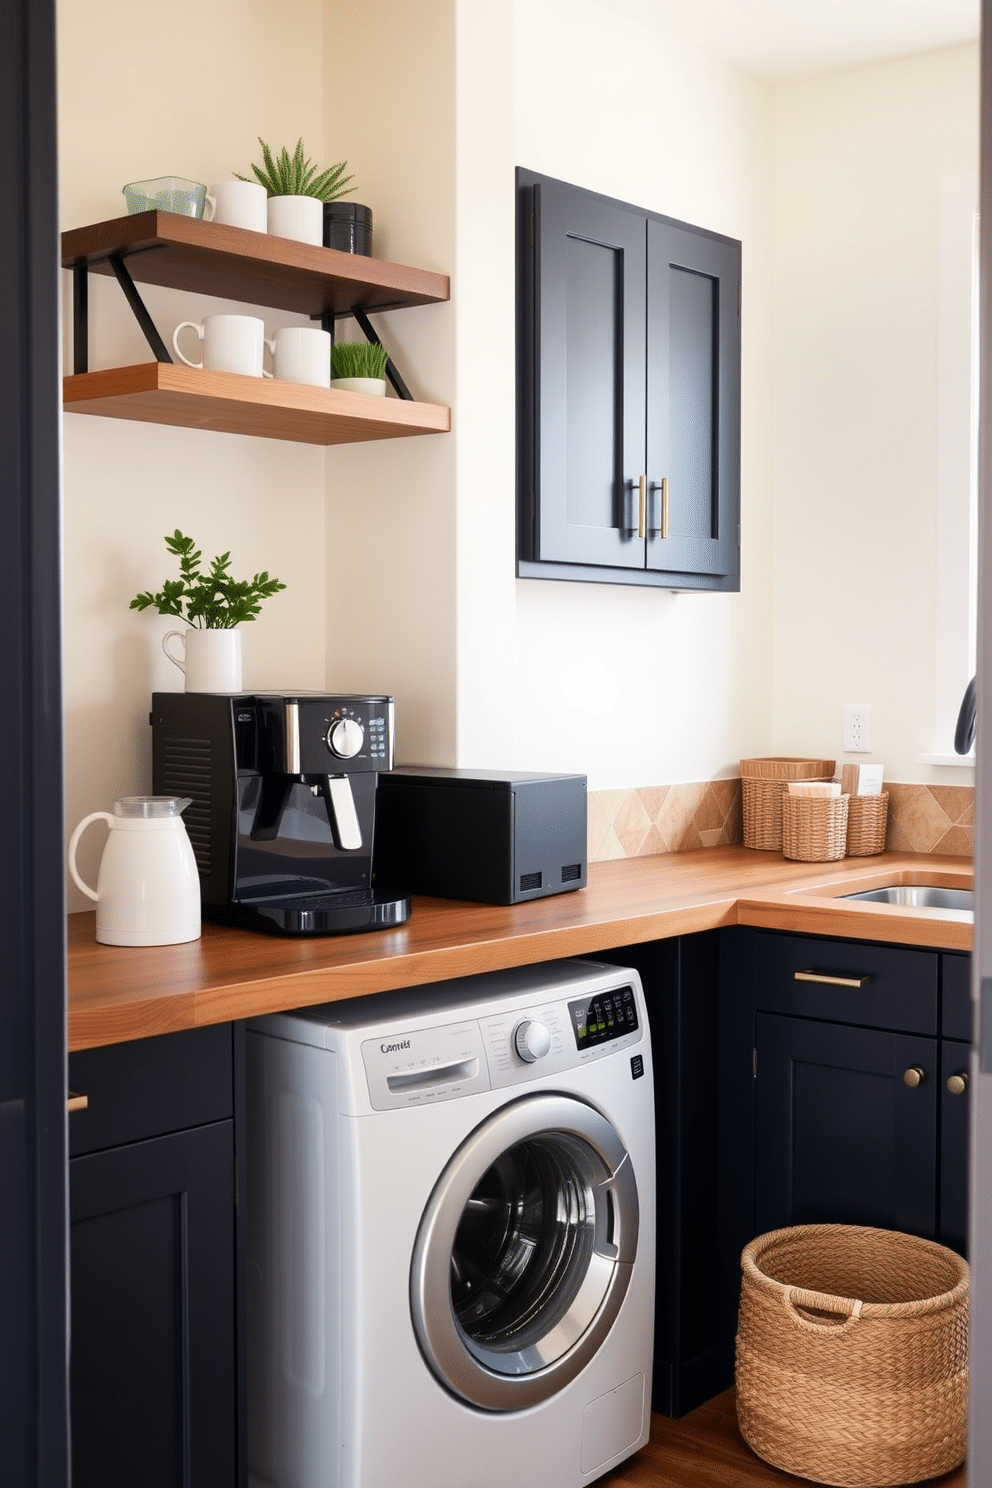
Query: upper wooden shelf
(178, 252)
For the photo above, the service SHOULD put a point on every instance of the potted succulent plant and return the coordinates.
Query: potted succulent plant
(213, 604)
(359, 367)
(297, 191)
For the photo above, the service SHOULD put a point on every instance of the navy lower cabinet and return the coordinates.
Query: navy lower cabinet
(681, 978)
(153, 1277)
(843, 1092)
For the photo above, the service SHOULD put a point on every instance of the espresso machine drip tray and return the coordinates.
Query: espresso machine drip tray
(336, 913)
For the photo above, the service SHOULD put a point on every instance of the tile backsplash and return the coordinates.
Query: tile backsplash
(677, 818)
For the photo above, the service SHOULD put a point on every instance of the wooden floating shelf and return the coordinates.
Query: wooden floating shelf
(211, 258)
(164, 393)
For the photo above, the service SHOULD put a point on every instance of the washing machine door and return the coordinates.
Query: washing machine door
(524, 1252)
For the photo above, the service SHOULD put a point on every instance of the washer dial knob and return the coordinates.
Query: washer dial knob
(345, 738)
(531, 1040)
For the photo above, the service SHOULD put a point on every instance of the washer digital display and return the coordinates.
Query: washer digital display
(603, 1018)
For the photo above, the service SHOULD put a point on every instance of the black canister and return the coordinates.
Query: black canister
(348, 227)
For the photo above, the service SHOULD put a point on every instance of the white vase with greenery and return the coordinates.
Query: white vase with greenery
(297, 192)
(359, 367)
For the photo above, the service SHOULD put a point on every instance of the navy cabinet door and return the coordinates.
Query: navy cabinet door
(693, 402)
(152, 1361)
(589, 294)
(839, 1136)
(954, 1117)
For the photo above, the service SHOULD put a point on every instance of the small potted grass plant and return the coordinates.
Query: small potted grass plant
(359, 367)
(297, 191)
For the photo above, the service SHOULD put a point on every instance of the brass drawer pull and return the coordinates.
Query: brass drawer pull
(642, 506)
(958, 1084)
(822, 979)
(914, 1076)
(664, 506)
(77, 1102)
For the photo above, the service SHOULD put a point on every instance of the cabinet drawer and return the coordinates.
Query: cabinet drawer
(957, 1012)
(848, 982)
(150, 1087)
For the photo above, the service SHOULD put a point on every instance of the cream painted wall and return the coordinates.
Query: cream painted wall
(682, 682)
(861, 158)
(537, 666)
(149, 89)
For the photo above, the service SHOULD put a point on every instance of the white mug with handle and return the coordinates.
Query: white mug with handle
(231, 343)
(301, 354)
(237, 204)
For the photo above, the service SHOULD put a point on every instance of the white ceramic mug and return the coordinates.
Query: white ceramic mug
(211, 660)
(231, 343)
(300, 217)
(237, 204)
(301, 354)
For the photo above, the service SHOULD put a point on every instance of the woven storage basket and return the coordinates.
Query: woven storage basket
(814, 828)
(762, 784)
(867, 818)
(852, 1355)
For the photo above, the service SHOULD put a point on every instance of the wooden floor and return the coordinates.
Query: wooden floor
(705, 1450)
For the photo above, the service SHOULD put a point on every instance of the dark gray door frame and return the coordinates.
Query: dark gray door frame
(33, 1391)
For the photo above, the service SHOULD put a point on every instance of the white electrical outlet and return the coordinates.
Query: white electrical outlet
(857, 728)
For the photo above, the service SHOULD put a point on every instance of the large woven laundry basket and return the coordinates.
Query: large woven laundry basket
(852, 1355)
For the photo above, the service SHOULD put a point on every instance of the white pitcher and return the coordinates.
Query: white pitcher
(148, 888)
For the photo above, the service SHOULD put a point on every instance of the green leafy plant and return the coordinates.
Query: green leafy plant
(358, 359)
(211, 600)
(294, 175)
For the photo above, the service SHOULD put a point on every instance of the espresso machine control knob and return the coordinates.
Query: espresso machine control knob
(531, 1040)
(345, 738)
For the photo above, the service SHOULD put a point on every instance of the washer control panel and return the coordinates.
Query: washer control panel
(428, 1065)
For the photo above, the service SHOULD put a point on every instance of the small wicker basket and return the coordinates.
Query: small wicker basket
(814, 828)
(763, 782)
(867, 819)
(852, 1355)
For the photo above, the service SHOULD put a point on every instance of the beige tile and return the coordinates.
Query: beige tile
(673, 821)
(632, 819)
(609, 849)
(612, 803)
(954, 799)
(597, 826)
(959, 840)
(653, 843)
(922, 819)
(652, 798)
(712, 837)
(709, 813)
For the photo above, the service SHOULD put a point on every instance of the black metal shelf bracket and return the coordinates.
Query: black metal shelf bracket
(366, 327)
(81, 319)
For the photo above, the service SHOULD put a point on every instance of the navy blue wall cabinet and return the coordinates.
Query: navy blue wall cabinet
(628, 408)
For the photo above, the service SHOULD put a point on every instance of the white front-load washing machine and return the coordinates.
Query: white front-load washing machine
(451, 1234)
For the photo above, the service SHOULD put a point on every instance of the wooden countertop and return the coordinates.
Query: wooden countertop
(117, 993)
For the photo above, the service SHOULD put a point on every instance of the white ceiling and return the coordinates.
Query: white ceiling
(781, 39)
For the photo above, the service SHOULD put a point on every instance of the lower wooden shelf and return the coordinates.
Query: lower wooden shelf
(164, 393)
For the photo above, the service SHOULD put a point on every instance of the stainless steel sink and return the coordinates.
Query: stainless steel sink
(922, 896)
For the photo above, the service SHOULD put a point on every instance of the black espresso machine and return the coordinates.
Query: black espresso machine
(282, 792)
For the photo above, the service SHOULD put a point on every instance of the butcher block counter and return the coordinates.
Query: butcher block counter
(117, 994)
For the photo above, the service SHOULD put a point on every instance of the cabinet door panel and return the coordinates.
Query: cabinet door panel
(954, 1118)
(693, 398)
(589, 348)
(152, 1361)
(839, 1137)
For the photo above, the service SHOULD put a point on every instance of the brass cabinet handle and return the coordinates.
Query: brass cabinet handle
(914, 1076)
(664, 506)
(642, 506)
(77, 1102)
(824, 980)
(958, 1084)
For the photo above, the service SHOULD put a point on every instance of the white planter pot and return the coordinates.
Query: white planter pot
(211, 660)
(372, 387)
(299, 217)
